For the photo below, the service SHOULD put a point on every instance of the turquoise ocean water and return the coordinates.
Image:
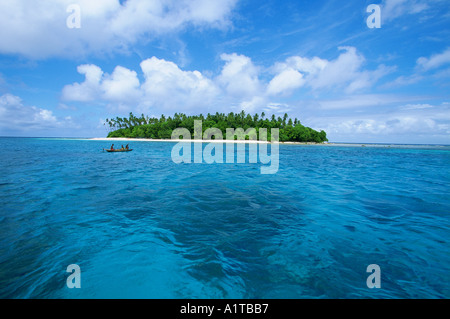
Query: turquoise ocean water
(141, 226)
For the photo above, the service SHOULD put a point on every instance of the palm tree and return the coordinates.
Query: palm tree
(285, 119)
(143, 119)
(127, 123)
(119, 122)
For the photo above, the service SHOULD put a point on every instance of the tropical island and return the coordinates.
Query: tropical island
(154, 128)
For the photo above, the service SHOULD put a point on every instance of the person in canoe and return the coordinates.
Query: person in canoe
(122, 148)
(112, 147)
(127, 148)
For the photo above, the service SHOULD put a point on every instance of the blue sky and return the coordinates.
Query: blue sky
(316, 60)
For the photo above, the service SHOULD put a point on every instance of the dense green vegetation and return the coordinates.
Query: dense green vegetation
(145, 127)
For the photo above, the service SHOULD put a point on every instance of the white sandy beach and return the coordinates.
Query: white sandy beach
(127, 139)
(174, 140)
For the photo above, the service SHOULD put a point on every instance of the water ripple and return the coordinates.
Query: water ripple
(141, 226)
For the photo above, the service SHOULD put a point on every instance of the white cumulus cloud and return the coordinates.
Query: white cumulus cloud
(239, 76)
(16, 117)
(87, 90)
(285, 81)
(239, 85)
(345, 72)
(166, 86)
(411, 123)
(38, 29)
(122, 85)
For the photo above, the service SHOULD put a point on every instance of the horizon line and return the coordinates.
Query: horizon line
(159, 140)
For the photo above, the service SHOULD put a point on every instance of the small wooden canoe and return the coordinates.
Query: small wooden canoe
(118, 150)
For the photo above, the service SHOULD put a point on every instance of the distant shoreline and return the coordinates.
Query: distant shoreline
(330, 144)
